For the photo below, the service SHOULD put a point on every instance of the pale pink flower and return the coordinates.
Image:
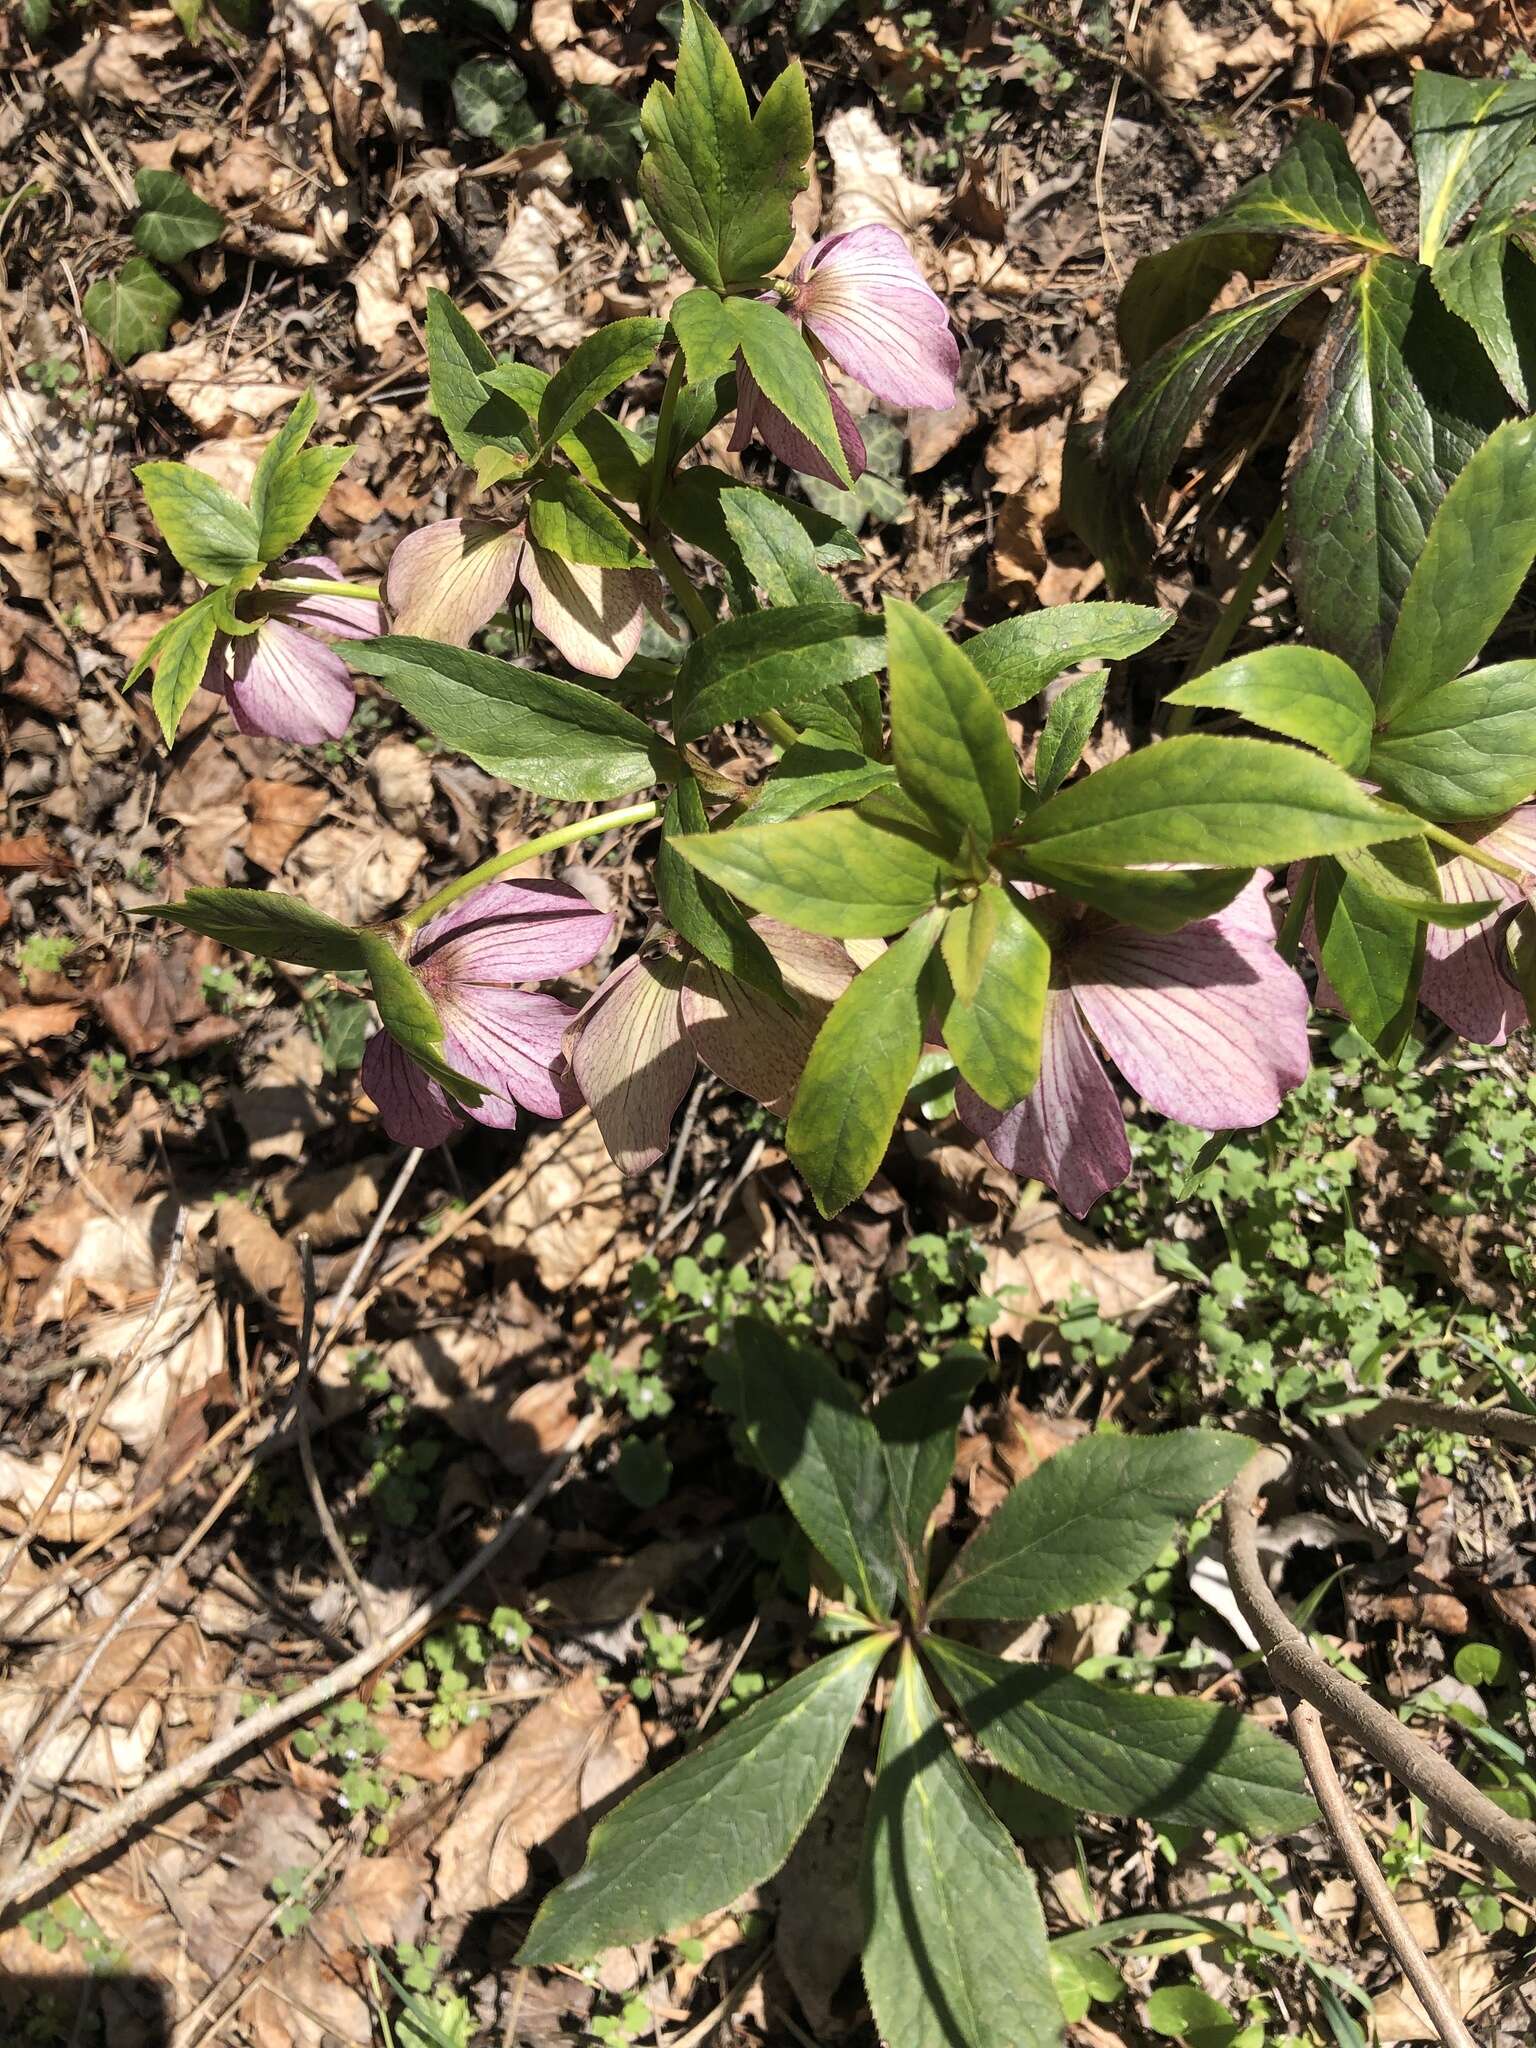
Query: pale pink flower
(449, 579)
(1208, 1025)
(472, 961)
(282, 682)
(635, 1047)
(865, 305)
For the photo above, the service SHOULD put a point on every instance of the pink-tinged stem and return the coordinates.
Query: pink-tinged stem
(548, 842)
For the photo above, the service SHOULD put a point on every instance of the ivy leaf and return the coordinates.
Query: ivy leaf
(594, 369)
(1466, 134)
(1299, 691)
(718, 179)
(916, 1423)
(994, 1034)
(1086, 1523)
(600, 134)
(774, 661)
(569, 520)
(653, 1865)
(1110, 1750)
(131, 313)
(209, 532)
(956, 1948)
(490, 99)
(555, 738)
(710, 331)
(1465, 748)
(838, 873)
(475, 414)
(173, 221)
(951, 748)
(860, 1068)
(1477, 554)
(1210, 801)
(698, 910)
(1399, 398)
(273, 926)
(1372, 951)
(1018, 657)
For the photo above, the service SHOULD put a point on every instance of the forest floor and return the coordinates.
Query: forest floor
(176, 1122)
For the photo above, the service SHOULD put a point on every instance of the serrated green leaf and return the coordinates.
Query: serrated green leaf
(1299, 691)
(210, 533)
(1086, 1523)
(569, 520)
(1465, 748)
(719, 1822)
(951, 748)
(131, 313)
(594, 369)
(292, 481)
(1405, 873)
(273, 926)
(860, 1069)
(779, 554)
(718, 179)
(1312, 190)
(179, 656)
(994, 1035)
(812, 777)
(1069, 722)
(691, 508)
(1478, 553)
(1212, 802)
(916, 1423)
(1398, 399)
(536, 732)
(838, 873)
(1489, 281)
(1017, 658)
(174, 221)
(1155, 899)
(1171, 289)
(410, 1016)
(956, 1948)
(475, 414)
(697, 909)
(1110, 1750)
(1466, 134)
(1372, 952)
(774, 661)
(710, 330)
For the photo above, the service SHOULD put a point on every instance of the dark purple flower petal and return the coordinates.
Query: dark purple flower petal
(286, 686)
(872, 310)
(756, 414)
(412, 1106)
(631, 1058)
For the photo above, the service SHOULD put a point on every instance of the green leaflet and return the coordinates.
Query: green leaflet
(697, 909)
(653, 1864)
(1068, 724)
(1466, 134)
(1155, 899)
(951, 748)
(594, 369)
(837, 872)
(1170, 289)
(710, 330)
(1488, 280)
(273, 926)
(210, 533)
(1086, 1523)
(569, 520)
(1312, 190)
(410, 1016)
(291, 482)
(774, 660)
(475, 415)
(1017, 658)
(179, 655)
(779, 554)
(994, 1032)
(916, 1423)
(1372, 950)
(813, 775)
(1465, 748)
(1299, 691)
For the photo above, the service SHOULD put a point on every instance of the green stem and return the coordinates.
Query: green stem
(304, 586)
(1474, 854)
(547, 842)
(681, 585)
(1234, 615)
(661, 456)
(1288, 944)
(777, 727)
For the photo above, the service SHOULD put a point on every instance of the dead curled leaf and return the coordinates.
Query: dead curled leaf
(1045, 1259)
(568, 1210)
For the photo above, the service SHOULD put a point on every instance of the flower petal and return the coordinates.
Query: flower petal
(1208, 1023)
(449, 579)
(1464, 982)
(750, 1041)
(412, 1107)
(507, 932)
(872, 310)
(510, 1042)
(593, 616)
(1068, 1131)
(756, 414)
(334, 618)
(631, 1058)
(285, 686)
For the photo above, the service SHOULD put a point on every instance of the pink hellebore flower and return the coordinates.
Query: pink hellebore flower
(634, 1048)
(507, 1038)
(449, 579)
(282, 682)
(1208, 1024)
(863, 302)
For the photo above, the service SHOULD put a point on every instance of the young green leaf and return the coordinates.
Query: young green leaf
(916, 1423)
(951, 748)
(1217, 802)
(475, 413)
(1466, 134)
(210, 533)
(1068, 724)
(291, 482)
(994, 1035)
(1299, 691)
(596, 367)
(1017, 658)
(718, 179)
(805, 1423)
(1372, 951)
(698, 910)
(131, 313)
(1404, 873)
(774, 661)
(1110, 1750)
(173, 221)
(1476, 556)
(838, 872)
(722, 1820)
(710, 330)
(1465, 748)
(614, 458)
(1086, 1523)
(410, 1016)
(555, 738)
(569, 520)
(272, 926)
(859, 1071)
(179, 656)
(956, 1948)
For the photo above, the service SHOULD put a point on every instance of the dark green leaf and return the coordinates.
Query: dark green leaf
(780, 555)
(602, 139)
(838, 873)
(554, 738)
(1372, 952)
(1488, 281)
(916, 1423)
(1110, 1750)
(594, 369)
(860, 1068)
(811, 777)
(1463, 749)
(131, 313)
(1158, 900)
(951, 748)
(774, 661)
(1214, 802)
(1170, 289)
(274, 927)
(1466, 134)
(609, 455)
(692, 506)
(1405, 873)
(719, 1822)
(994, 1036)
(710, 330)
(1019, 657)
(697, 909)
(956, 1949)
(490, 99)
(474, 413)
(1071, 718)
(207, 530)
(1298, 691)
(1312, 190)
(174, 221)
(1106, 517)
(1086, 1523)
(565, 517)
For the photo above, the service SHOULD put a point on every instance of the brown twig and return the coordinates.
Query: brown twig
(83, 1844)
(1409, 1411)
(302, 1403)
(1296, 1667)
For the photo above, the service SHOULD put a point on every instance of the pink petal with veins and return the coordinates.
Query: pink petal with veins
(593, 616)
(631, 1058)
(449, 579)
(757, 414)
(413, 1108)
(284, 685)
(867, 303)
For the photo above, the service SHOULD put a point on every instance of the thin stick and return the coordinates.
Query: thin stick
(1307, 1727)
(336, 1321)
(303, 1406)
(1295, 1666)
(1408, 1411)
(81, 1845)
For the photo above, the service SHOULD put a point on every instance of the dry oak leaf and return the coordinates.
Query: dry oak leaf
(278, 1111)
(1172, 55)
(528, 270)
(106, 66)
(27, 1024)
(869, 183)
(215, 399)
(335, 1207)
(569, 1207)
(1359, 28)
(355, 873)
(267, 1263)
(402, 778)
(280, 814)
(1044, 1259)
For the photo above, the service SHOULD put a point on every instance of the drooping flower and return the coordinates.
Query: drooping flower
(474, 962)
(635, 1047)
(282, 682)
(449, 579)
(864, 304)
(1208, 1025)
